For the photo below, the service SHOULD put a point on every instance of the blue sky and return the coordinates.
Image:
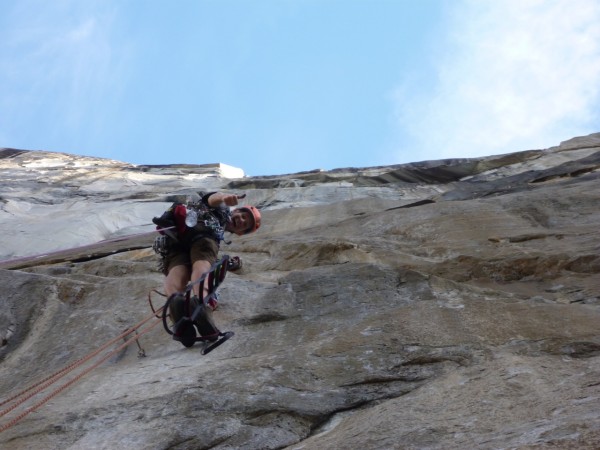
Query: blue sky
(283, 86)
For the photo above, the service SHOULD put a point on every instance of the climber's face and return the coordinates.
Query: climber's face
(241, 222)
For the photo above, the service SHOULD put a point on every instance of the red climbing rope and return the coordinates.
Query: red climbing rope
(40, 386)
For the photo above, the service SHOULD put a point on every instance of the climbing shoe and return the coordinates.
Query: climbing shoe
(186, 333)
(204, 322)
(183, 328)
(234, 263)
(177, 307)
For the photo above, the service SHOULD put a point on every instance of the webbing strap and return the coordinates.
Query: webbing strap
(215, 275)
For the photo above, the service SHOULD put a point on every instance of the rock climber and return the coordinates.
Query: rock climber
(189, 245)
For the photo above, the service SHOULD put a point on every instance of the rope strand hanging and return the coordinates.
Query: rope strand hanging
(29, 392)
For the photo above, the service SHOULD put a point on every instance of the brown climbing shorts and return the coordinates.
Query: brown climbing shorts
(203, 249)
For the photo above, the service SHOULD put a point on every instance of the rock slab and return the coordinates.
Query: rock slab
(442, 305)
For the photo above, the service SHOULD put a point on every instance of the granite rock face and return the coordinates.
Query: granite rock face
(443, 305)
